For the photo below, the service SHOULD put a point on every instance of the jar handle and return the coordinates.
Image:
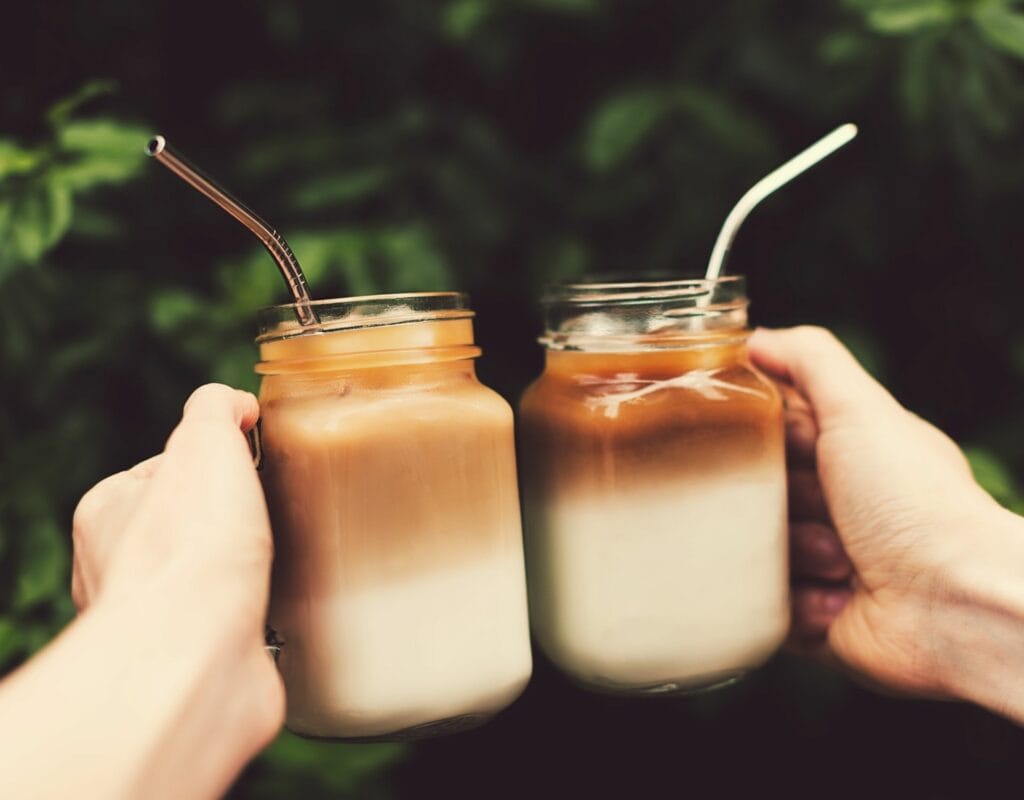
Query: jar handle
(255, 438)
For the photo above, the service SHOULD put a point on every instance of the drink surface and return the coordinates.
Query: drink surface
(654, 486)
(398, 583)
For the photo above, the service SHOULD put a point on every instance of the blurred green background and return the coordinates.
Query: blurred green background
(494, 146)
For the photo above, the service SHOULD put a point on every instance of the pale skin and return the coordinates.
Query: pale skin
(905, 572)
(916, 574)
(161, 687)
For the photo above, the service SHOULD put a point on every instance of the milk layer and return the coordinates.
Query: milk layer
(440, 645)
(664, 584)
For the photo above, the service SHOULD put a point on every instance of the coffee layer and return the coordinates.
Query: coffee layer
(631, 428)
(371, 487)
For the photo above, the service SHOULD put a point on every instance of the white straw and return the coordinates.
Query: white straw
(768, 184)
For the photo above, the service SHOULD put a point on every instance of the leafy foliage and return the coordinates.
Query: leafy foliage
(38, 184)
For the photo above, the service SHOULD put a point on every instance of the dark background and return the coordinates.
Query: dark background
(495, 147)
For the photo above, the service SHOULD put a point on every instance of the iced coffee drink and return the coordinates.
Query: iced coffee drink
(398, 602)
(654, 489)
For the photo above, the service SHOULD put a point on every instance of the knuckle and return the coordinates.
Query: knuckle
(78, 594)
(209, 393)
(95, 503)
(816, 336)
(84, 518)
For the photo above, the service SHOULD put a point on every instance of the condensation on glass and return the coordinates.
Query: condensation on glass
(654, 488)
(398, 602)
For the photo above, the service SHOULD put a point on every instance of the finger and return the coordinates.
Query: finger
(816, 552)
(211, 421)
(801, 429)
(815, 607)
(206, 481)
(823, 370)
(222, 403)
(806, 499)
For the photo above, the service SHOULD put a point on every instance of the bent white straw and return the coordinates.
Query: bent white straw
(768, 184)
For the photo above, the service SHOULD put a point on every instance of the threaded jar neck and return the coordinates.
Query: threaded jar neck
(645, 315)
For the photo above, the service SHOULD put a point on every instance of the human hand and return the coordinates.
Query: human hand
(161, 688)
(884, 513)
(186, 534)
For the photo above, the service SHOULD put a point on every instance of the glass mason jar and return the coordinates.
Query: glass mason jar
(398, 600)
(654, 489)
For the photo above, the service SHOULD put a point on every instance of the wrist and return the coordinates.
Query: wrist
(137, 682)
(192, 598)
(200, 656)
(974, 623)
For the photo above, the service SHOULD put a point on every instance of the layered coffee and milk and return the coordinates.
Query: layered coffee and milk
(654, 490)
(398, 595)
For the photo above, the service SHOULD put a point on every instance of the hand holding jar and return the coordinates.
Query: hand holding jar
(161, 687)
(907, 570)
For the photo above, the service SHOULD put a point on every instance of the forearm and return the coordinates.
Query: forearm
(977, 621)
(133, 700)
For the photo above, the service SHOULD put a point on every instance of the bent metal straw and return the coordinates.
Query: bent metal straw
(271, 239)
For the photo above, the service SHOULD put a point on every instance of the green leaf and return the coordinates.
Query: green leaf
(16, 160)
(900, 17)
(721, 121)
(416, 264)
(979, 91)
(841, 47)
(339, 768)
(63, 109)
(337, 189)
(92, 222)
(172, 309)
(461, 18)
(33, 221)
(101, 151)
(11, 641)
(254, 281)
(234, 366)
(42, 566)
(916, 77)
(620, 125)
(1001, 27)
(345, 252)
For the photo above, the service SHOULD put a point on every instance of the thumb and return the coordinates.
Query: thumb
(818, 366)
(213, 415)
(219, 402)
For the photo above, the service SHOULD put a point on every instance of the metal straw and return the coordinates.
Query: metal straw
(768, 184)
(272, 240)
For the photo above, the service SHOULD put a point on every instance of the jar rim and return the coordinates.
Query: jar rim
(362, 311)
(632, 291)
(663, 311)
